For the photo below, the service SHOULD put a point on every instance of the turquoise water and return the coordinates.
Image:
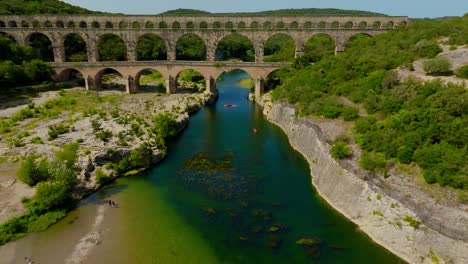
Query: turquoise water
(254, 213)
(270, 186)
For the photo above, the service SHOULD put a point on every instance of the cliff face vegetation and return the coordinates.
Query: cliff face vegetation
(405, 120)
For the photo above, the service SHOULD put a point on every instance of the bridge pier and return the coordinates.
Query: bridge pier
(259, 53)
(210, 84)
(59, 53)
(131, 51)
(132, 85)
(259, 82)
(171, 85)
(171, 55)
(90, 83)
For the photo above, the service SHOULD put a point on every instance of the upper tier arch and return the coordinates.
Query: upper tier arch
(211, 29)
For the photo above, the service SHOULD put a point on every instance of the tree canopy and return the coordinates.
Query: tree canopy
(408, 121)
(27, 7)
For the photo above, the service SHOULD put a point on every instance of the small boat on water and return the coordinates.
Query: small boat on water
(230, 105)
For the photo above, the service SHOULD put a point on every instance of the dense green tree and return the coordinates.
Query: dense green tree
(11, 74)
(408, 121)
(462, 72)
(151, 47)
(437, 66)
(235, 47)
(38, 71)
(14, 52)
(112, 48)
(319, 46)
(26, 7)
(190, 47)
(279, 47)
(75, 48)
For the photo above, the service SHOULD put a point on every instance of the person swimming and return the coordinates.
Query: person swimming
(255, 131)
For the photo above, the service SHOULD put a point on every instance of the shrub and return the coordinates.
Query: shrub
(96, 125)
(372, 161)
(462, 72)
(56, 130)
(49, 196)
(104, 135)
(340, 151)
(139, 158)
(68, 155)
(412, 222)
(350, 113)
(437, 66)
(427, 48)
(38, 71)
(36, 140)
(23, 114)
(165, 125)
(27, 172)
(101, 177)
(32, 172)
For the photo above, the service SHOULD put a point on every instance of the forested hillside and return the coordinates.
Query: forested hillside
(280, 12)
(408, 121)
(26, 7)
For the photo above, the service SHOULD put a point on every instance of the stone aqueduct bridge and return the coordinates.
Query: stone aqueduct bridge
(211, 29)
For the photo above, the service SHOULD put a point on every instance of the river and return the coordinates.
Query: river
(255, 213)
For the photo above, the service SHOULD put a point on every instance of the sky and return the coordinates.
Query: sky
(411, 8)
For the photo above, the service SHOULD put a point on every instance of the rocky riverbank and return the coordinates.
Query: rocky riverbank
(106, 125)
(396, 212)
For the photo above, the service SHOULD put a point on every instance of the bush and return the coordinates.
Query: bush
(32, 172)
(49, 196)
(101, 177)
(350, 113)
(56, 130)
(373, 161)
(68, 155)
(27, 172)
(462, 72)
(38, 71)
(139, 158)
(340, 151)
(104, 135)
(427, 48)
(165, 125)
(437, 66)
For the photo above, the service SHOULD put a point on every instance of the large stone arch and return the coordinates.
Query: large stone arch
(117, 52)
(98, 78)
(198, 81)
(150, 87)
(182, 47)
(12, 24)
(2, 24)
(226, 53)
(319, 45)
(79, 43)
(149, 38)
(42, 44)
(354, 36)
(63, 75)
(282, 42)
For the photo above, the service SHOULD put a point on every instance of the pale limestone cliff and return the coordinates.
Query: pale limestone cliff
(378, 206)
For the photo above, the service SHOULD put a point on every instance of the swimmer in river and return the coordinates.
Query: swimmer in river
(255, 131)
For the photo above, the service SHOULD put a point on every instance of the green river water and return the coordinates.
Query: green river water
(173, 216)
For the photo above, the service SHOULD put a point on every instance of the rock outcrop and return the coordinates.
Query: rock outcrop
(392, 211)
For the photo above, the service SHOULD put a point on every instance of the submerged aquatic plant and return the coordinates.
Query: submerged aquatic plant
(216, 177)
